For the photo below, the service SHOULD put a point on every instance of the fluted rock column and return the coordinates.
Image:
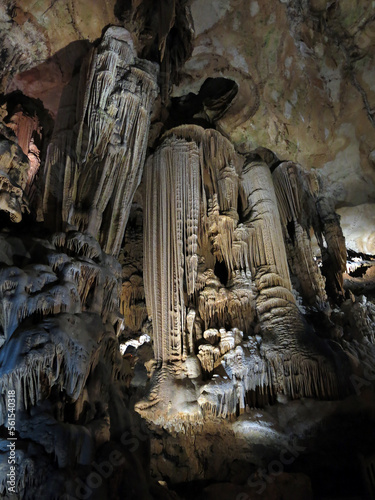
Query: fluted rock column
(94, 165)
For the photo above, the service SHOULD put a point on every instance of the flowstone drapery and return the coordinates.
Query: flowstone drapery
(304, 207)
(14, 168)
(217, 280)
(95, 160)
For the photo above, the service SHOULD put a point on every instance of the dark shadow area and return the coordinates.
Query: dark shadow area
(217, 94)
(205, 108)
(46, 81)
(221, 272)
(336, 457)
(122, 8)
(16, 101)
(265, 155)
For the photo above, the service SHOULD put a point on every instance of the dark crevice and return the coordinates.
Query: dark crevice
(205, 108)
(359, 272)
(291, 230)
(221, 271)
(217, 95)
(164, 31)
(364, 256)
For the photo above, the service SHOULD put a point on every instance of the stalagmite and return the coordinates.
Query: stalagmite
(93, 176)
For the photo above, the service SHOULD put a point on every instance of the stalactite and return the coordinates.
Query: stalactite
(208, 355)
(40, 290)
(132, 299)
(295, 191)
(310, 374)
(60, 352)
(57, 337)
(99, 171)
(82, 245)
(171, 224)
(304, 207)
(212, 335)
(192, 187)
(334, 253)
(132, 303)
(225, 271)
(260, 209)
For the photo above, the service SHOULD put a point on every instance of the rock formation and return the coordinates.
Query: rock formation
(177, 300)
(216, 272)
(60, 356)
(94, 166)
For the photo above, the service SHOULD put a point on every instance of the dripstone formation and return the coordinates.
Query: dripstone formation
(170, 305)
(217, 280)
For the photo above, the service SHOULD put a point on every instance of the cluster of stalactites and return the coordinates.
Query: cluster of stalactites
(172, 180)
(89, 282)
(232, 304)
(262, 220)
(228, 265)
(14, 171)
(192, 185)
(254, 381)
(268, 257)
(192, 190)
(303, 208)
(100, 169)
(52, 316)
(220, 168)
